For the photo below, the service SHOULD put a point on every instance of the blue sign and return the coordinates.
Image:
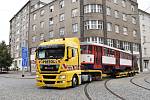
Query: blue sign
(24, 57)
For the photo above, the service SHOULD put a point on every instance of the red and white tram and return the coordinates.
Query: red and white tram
(108, 59)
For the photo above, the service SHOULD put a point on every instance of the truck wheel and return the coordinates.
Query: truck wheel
(129, 75)
(74, 81)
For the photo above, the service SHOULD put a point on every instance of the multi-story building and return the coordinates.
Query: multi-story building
(19, 32)
(145, 35)
(113, 22)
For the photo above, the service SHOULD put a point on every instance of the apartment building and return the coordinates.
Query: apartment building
(145, 36)
(111, 22)
(19, 31)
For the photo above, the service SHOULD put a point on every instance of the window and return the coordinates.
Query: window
(123, 3)
(124, 17)
(143, 16)
(23, 27)
(93, 24)
(135, 47)
(34, 16)
(51, 8)
(74, 1)
(36, 6)
(133, 20)
(117, 28)
(132, 8)
(34, 27)
(93, 8)
(75, 28)
(61, 17)
(125, 31)
(42, 12)
(18, 24)
(126, 46)
(51, 21)
(145, 51)
(116, 1)
(61, 4)
(110, 42)
(144, 39)
(34, 39)
(42, 36)
(134, 33)
(42, 24)
(109, 27)
(118, 44)
(62, 31)
(108, 11)
(51, 34)
(100, 24)
(143, 26)
(116, 14)
(74, 12)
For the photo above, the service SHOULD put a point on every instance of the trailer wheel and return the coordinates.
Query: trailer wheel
(74, 81)
(98, 77)
(129, 75)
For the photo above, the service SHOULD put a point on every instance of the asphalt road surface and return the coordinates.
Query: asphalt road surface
(12, 87)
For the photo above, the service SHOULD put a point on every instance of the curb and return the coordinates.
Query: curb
(17, 77)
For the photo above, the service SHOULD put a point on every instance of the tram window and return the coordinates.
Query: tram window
(112, 53)
(106, 52)
(86, 49)
(90, 49)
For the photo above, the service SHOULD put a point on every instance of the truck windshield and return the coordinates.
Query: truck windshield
(51, 52)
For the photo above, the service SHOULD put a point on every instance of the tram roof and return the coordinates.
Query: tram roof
(102, 45)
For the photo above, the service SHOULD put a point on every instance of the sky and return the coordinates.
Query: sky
(8, 8)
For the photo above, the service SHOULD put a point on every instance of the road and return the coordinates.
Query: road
(128, 88)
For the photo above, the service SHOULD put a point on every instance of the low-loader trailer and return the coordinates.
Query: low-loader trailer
(67, 62)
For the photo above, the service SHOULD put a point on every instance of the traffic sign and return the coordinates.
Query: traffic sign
(24, 57)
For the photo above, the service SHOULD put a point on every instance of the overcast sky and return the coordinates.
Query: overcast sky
(8, 8)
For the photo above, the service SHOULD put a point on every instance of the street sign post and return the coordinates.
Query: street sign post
(24, 59)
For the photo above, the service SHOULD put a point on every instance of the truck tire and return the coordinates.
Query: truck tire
(74, 81)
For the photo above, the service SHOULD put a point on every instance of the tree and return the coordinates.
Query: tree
(5, 57)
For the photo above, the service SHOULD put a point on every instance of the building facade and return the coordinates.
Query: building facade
(19, 32)
(111, 22)
(145, 35)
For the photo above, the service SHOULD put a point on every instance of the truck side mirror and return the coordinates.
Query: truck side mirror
(69, 53)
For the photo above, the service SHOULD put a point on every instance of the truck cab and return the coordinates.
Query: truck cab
(58, 63)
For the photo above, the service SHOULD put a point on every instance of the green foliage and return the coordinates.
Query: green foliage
(5, 56)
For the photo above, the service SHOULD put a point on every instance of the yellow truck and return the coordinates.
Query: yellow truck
(59, 63)
(68, 62)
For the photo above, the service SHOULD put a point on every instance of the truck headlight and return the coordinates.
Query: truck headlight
(62, 77)
(37, 76)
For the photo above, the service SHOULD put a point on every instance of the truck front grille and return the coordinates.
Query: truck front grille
(49, 76)
(49, 67)
(49, 82)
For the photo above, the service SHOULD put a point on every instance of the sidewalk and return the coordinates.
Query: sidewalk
(18, 75)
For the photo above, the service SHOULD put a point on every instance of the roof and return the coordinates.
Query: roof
(102, 45)
(20, 10)
(144, 12)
